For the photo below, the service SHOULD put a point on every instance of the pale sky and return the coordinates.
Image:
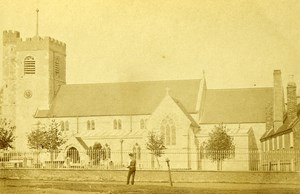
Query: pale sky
(237, 43)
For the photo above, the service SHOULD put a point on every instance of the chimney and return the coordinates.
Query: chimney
(278, 103)
(291, 99)
(269, 116)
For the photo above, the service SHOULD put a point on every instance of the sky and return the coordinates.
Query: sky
(237, 43)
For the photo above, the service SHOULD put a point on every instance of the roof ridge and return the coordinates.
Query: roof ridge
(124, 82)
(256, 88)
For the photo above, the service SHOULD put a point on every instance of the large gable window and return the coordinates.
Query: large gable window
(29, 65)
(168, 130)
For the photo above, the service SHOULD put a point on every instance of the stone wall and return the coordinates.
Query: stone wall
(152, 176)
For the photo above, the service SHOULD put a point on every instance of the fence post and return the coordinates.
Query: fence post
(278, 165)
(292, 165)
(170, 177)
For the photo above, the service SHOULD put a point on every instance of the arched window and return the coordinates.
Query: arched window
(168, 130)
(62, 125)
(136, 150)
(142, 124)
(67, 125)
(107, 151)
(146, 123)
(93, 124)
(88, 123)
(29, 65)
(119, 124)
(115, 124)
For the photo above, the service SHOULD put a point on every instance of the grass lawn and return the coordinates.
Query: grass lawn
(65, 187)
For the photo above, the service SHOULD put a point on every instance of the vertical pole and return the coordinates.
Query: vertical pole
(292, 165)
(170, 177)
(37, 22)
(130, 122)
(121, 141)
(77, 126)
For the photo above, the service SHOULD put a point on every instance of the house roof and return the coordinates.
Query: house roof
(236, 105)
(123, 98)
(285, 127)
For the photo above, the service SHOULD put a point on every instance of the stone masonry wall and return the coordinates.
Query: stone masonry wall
(152, 176)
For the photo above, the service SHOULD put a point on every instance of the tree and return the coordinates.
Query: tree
(54, 137)
(219, 145)
(46, 137)
(6, 134)
(36, 138)
(96, 153)
(156, 145)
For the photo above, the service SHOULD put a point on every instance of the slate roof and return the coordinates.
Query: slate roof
(193, 122)
(123, 98)
(236, 105)
(205, 130)
(285, 127)
(82, 143)
(114, 134)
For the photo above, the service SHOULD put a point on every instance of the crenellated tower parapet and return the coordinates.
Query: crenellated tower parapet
(10, 37)
(38, 43)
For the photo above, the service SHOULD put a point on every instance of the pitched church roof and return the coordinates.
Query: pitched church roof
(182, 108)
(123, 98)
(236, 105)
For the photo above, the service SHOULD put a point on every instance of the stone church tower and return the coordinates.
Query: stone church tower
(33, 71)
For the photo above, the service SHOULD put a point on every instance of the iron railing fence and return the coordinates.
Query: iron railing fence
(237, 160)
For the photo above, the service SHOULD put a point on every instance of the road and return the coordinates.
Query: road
(68, 187)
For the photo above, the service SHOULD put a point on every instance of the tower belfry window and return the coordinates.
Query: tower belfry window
(56, 66)
(29, 65)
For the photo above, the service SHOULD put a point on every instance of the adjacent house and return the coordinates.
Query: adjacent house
(280, 143)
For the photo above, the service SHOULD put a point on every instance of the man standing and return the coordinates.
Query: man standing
(131, 169)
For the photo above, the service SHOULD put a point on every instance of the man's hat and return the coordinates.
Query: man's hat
(131, 154)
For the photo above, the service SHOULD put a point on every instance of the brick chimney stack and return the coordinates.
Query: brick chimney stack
(269, 116)
(278, 101)
(291, 99)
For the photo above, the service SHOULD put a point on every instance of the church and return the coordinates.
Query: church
(120, 115)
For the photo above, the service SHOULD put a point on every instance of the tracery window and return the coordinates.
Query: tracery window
(168, 130)
(137, 151)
